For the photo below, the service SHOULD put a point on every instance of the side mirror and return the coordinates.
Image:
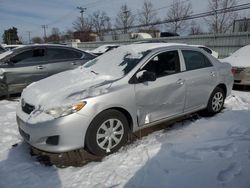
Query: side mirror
(145, 76)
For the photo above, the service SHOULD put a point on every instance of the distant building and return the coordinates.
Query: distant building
(85, 36)
(241, 25)
(127, 36)
(155, 33)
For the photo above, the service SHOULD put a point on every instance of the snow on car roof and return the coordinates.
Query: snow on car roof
(240, 58)
(142, 47)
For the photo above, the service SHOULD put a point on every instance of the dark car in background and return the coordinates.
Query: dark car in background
(31, 63)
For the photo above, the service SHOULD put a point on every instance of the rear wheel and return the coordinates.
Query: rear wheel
(216, 101)
(107, 133)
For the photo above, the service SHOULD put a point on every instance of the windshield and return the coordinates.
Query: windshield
(117, 62)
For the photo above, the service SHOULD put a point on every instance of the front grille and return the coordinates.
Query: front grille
(27, 108)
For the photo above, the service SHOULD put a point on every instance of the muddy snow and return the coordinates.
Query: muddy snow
(208, 152)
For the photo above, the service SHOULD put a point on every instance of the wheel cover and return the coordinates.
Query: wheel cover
(109, 134)
(217, 101)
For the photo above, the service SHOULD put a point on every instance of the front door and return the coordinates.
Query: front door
(165, 96)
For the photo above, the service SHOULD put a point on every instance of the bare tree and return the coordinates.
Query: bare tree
(37, 40)
(82, 24)
(66, 36)
(124, 18)
(195, 29)
(54, 36)
(147, 16)
(177, 12)
(221, 23)
(101, 22)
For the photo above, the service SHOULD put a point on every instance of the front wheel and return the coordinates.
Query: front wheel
(216, 101)
(107, 133)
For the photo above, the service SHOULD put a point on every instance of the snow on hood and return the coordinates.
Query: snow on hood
(240, 58)
(66, 88)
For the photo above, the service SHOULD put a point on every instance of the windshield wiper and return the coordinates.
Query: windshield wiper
(94, 72)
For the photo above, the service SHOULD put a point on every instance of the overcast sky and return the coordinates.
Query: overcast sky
(29, 15)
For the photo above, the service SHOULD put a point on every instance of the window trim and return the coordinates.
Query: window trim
(132, 80)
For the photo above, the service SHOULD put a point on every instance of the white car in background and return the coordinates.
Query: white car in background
(240, 61)
(104, 48)
(208, 50)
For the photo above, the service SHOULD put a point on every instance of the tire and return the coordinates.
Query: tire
(108, 141)
(216, 101)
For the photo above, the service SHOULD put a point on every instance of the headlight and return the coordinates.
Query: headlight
(66, 110)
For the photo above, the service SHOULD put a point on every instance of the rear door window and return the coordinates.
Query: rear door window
(195, 60)
(54, 54)
(29, 57)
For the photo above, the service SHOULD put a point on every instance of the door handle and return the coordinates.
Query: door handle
(212, 74)
(74, 63)
(40, 67)
(180, 81)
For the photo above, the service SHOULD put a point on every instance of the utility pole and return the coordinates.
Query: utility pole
(82, 10)
(44, 31)
(216, 17)
(29, 36)
(125, 21)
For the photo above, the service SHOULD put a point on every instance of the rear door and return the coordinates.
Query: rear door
(200, 76)
(165, 96)
(26, 67)
(62, 59)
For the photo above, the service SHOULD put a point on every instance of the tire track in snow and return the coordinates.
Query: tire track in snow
(229, 173)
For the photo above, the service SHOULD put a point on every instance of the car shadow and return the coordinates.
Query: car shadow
(241, 88)
(12, 97)
(20, 169)
(181, 163)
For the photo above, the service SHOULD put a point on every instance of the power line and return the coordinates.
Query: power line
(192, 16)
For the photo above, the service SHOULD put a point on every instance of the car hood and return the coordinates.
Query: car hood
(66, 88)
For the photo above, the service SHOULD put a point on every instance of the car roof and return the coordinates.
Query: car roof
(30, 46)
(142, 47)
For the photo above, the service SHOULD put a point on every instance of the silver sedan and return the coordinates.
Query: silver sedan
(122, 91)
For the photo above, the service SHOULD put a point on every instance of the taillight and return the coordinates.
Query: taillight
(233, 70)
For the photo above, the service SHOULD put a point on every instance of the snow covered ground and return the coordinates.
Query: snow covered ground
(209, 152)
